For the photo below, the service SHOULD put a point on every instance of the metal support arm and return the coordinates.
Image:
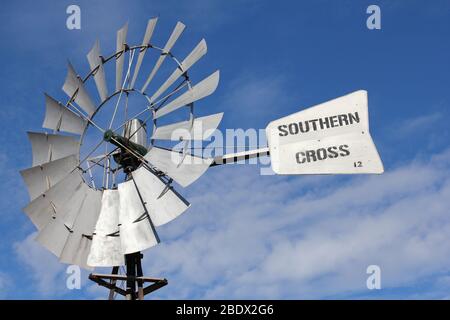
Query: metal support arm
(244, 155)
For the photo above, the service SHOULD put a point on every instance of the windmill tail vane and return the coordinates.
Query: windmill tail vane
(99, 204)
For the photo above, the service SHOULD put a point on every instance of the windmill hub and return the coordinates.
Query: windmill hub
(130, 145)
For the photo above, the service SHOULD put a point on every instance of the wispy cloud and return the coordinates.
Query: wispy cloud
(273, 244)
(5, 285)
(412, 125)
(46, 273)
(297, 237)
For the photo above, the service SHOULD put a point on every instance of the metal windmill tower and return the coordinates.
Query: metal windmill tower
(100, 207)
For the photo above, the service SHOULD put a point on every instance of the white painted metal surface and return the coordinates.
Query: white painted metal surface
(106, 249)
(77, 246)
(330, 138)
(52, 201)
(176, 33)
(201, 129)
(56, 232)
(184, 169)
(78, 256)
(53, 236)
(41, 178)
(201, 90)
(198, 52)
(74, 84)
(136, 231)
(136, 131)
(68, 216)
(240, 156)
(60, 118)
(99, 77)
(137, 236)
(120, 45)
(147, 36)
(162, 202)
(108, 221)
(50, 147)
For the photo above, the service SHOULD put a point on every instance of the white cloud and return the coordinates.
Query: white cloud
(413, 125)
(46, 273)
(252, 236)
(5, 285)
(248, 236)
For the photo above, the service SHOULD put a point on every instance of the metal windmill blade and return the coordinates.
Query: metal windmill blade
(104, 179)
(95, 63)
(59, 118)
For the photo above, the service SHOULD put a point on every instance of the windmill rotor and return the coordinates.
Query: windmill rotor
(103, 175)
(99, 223)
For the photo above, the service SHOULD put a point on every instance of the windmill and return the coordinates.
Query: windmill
(98, 201)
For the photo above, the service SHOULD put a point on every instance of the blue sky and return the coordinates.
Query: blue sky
(306, 237)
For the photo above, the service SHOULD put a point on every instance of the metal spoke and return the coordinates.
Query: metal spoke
(126, 108)
(131, 151)
(104, 166)
(127, 76)
(92, 178)
(103, 157)
(90, 153)
(178, 88)
(86, 118)
(108, 164)
(100, 156)
(164, 99)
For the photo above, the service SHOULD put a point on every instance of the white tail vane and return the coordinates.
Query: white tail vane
(330, 138)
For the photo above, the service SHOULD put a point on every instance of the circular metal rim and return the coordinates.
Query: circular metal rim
(116, 55)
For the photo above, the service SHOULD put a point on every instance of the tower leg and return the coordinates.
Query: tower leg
(115, 270)
(130, 261)
(134, 276)
(139, 274)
